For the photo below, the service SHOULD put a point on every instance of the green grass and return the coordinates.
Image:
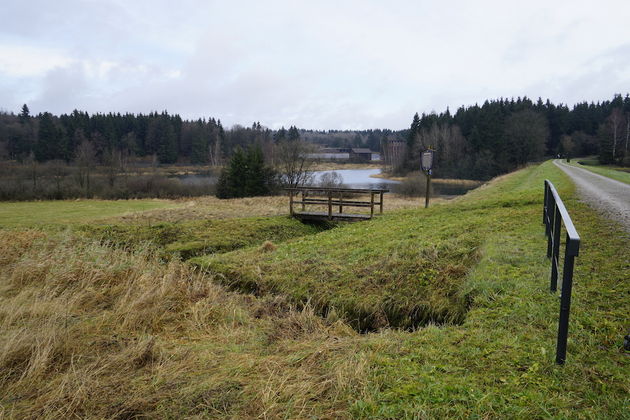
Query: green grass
(37, 213)
(500, 362)
(191, 238)
(401, 270)
(93, 331)
(619, 174)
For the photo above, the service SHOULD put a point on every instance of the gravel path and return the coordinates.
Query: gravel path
(608, 196)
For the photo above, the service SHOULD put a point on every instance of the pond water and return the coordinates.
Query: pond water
(351, 178)
(357, 178)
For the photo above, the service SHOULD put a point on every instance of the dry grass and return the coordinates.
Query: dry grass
(336, 166)
(92, 331)
(209, 207)
(469, 183)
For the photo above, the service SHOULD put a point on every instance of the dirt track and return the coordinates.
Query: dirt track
(608, 196)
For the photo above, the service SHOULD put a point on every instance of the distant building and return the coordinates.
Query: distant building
(360, 155)
(357, 155)
(331, 153)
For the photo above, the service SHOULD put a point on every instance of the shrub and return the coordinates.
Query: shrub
(413, 186)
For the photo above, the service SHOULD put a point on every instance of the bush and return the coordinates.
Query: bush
(413, 186)
(331, 180)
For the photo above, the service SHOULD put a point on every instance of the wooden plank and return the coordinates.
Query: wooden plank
(334, 216)
(356, 190)
(335, 203)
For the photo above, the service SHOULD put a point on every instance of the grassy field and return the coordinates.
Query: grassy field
(620, 174)
(21, 214)
(93, 330)
(154, 211)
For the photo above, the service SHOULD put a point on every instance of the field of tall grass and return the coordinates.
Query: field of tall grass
(92, 326)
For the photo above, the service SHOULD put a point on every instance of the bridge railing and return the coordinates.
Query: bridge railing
(555, 215)
(335, 198)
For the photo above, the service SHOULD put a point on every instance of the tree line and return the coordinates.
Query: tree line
(480, 142)
(165, 137)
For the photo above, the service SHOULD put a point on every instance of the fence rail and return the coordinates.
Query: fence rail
(555, 215)
(334, 198)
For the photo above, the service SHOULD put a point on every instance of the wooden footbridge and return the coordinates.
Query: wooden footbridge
(329, 203)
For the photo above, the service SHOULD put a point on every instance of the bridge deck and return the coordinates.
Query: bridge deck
(344, 217)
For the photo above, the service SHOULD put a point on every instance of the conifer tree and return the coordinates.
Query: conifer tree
(293, 134)
(48, 145)
(25, 115)
(246, 175)
(280, 135)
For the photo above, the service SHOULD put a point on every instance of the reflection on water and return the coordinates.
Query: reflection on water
(352, 178)
(357, 178)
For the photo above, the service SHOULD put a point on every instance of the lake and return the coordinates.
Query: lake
(355, 178)
(358, 178)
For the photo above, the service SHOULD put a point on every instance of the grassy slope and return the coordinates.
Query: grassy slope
(402, 269)
(499, 363)
(611, 172)
(187, 239)
(91, 331)
(20, 214)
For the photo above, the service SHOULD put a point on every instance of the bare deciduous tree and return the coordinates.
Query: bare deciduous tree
(112, 159)
(616, 120)
(293, 163)
(85, 159)
(59, 170)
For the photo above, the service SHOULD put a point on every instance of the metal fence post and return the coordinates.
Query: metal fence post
(565, 306)
(555, 253)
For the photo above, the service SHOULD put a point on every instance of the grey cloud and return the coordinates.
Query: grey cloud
(318, 64)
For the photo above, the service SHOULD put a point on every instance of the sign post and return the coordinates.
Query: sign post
(426, 162)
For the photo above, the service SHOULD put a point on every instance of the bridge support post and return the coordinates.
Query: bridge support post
(371, 205)
(340, 202)
(381, 203)
(329, 205)
(291, 202)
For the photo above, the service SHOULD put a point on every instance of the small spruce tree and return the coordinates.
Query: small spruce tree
(246, 175)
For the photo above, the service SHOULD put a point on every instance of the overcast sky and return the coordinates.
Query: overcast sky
(315, 64)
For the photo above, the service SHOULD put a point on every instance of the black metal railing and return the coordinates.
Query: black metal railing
(555, 215)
